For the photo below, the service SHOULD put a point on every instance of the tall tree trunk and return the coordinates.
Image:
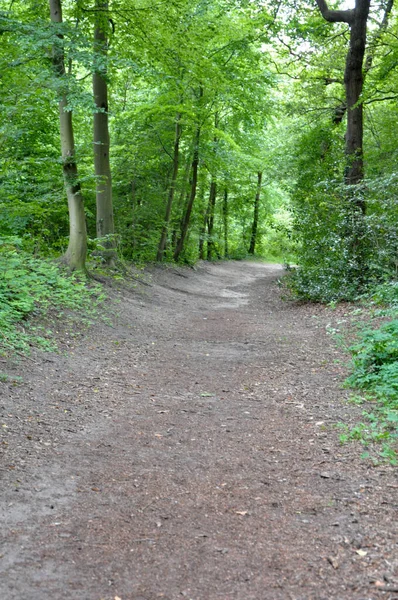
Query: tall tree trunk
(188, 211)
(105, 222)
(165, 228)
(202, 234)
(75, 255)
(182, 201)
(225, 222)
(253, 237)
(353, 82)
(210, 220)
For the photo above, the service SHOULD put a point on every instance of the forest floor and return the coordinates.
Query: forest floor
(188, 450)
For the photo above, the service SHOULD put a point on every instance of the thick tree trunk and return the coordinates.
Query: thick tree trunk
(353, 81)
(105, 221)
(188, 211)
(75, 256)
(253, 237)
(225, 222)
(210, 220)
(165, 228)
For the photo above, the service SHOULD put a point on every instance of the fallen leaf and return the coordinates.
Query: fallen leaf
(206, 394)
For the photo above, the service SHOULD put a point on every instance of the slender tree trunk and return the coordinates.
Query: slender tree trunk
(165, 228)
(182, 201)
(105, 222)
(75, 256)
(187, 215)
(210, 220)
(225, 222)
(253, 237)
(202, 233)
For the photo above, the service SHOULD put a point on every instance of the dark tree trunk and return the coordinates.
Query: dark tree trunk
(176, 154)
(225, 222)
(210, 219)
(188, 211)
(202, 234)
(353, 82)
(105, 221)
(253, 237)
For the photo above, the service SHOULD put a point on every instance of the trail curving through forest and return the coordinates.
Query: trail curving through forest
(189, 451)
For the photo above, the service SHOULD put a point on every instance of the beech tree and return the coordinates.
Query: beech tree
(104, 205)
(75, 255)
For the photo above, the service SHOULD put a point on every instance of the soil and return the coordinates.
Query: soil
(189, 450)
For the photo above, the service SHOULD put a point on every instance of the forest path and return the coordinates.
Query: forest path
(189, 452)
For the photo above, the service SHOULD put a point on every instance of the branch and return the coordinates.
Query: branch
(382, 28)
(160, 141)
(335, 16)
(371, 100)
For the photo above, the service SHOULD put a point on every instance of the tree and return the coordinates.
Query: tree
(104, 218)
(353, 81)
(75, 255)
(253, 236)
(194, 183)
(176, 159)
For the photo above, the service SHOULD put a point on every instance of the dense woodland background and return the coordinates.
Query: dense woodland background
(203, 129)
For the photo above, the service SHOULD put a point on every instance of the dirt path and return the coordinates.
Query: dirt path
(188, 452)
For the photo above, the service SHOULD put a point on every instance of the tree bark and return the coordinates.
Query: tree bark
(210, 218)
(225, 222)
(202, 234)
(105, 220)
(353, 82)
(187, 215)
(253, 237)
(75, 255)
(176, 155)
(340, 111)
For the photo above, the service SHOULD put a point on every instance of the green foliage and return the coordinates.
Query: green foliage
(32, 287)
(343, 253)
(375, 370)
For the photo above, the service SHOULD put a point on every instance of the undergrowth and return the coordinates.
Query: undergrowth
(375, 374)
(33, 287)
